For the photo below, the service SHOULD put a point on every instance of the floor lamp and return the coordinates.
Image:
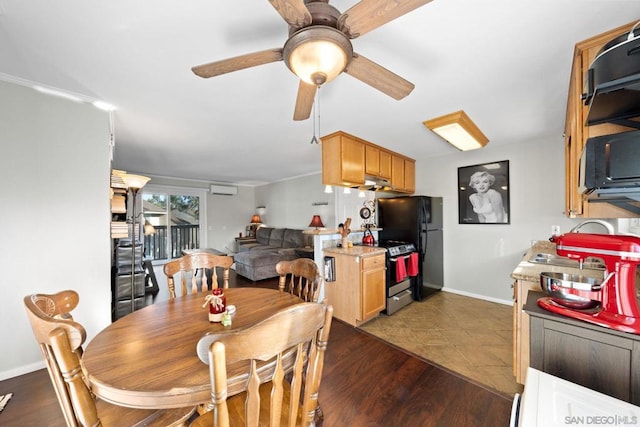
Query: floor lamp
(134, 184)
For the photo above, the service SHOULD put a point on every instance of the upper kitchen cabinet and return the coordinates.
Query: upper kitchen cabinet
(403, 172)
(581, 125)
(409, 175)
(343, 158)
(349, 161)
(377, 162)
(397, 172)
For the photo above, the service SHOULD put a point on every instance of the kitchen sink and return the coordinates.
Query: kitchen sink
(552, 259)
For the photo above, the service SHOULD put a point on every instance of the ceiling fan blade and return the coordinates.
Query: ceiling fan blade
(378, 77)
(304, 101)
(237, 63)
(368, 15)
(293, 11)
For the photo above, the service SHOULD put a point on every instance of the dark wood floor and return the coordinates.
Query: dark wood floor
(366, 382)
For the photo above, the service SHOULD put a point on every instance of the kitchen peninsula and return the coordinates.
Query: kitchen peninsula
(358, 291)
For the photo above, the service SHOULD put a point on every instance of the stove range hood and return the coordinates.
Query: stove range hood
(374, 183)
(613, 82)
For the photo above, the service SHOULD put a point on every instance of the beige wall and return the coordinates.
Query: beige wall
(54, 214)
(479, 258)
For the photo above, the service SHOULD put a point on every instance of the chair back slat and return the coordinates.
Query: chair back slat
(253, 397)
(192, 269)
(277, 392)
(218, 374)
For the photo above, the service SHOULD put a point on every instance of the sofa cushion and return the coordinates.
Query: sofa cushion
(287, 252)
(276, 237)
(258, 258)
(259, 248)
(292, 238)
(262, 235)
(244, 247)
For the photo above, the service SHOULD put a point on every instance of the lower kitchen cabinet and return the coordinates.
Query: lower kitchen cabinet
(373, 286)
(599, 358)
(358, 293)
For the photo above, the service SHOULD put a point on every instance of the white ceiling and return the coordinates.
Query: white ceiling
(505, 62)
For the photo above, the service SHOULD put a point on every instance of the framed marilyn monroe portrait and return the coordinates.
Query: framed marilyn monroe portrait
(483, 193)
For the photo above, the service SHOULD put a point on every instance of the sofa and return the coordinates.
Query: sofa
(257, 259)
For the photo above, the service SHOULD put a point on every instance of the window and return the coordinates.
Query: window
(176, 215)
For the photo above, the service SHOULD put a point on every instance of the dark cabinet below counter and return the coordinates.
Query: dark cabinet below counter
(599, 358)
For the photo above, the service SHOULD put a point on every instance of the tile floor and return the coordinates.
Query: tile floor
(471, 337)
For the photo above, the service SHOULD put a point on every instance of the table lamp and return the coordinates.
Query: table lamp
(316, 222)
(255, 223)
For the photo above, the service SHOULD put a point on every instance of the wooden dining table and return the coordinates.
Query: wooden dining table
(148, 358)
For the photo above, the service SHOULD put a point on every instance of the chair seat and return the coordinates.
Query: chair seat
(112, 415)
(236, 406)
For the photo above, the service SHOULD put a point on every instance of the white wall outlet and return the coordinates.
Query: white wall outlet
(555, 230)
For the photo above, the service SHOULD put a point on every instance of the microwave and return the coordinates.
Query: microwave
(611, 163)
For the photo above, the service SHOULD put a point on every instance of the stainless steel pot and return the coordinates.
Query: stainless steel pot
(556, 285)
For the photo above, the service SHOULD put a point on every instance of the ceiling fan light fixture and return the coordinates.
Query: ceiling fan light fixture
(458, 130)
(318, 54)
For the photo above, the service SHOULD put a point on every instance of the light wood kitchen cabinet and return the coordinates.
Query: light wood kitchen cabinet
(577, 132)
(521, 289)
(358, 293)
(373, 286)
(403, 174)
(343, 159)
(346, 159)
(377, 162)
(409, 176)
(397, 172)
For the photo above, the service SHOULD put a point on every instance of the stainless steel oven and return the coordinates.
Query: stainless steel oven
(400, 280)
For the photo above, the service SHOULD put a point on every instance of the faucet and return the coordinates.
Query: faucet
(605, 224)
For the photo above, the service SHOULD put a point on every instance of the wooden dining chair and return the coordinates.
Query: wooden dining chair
(302, 328)
(300, 277)
(60, 339)
(191, 270)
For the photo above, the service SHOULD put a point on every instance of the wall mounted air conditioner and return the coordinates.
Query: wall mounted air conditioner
(225, 190)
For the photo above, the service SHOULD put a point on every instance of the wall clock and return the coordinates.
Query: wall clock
(368, 214)
(365, 213)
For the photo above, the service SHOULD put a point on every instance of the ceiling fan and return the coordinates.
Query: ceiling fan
(319, 48)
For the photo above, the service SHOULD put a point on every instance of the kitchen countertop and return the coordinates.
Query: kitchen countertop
(326, 231)
(531, 272)
(361, 251)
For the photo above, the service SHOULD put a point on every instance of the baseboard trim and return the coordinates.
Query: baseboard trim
(478, 296)
(21, 370)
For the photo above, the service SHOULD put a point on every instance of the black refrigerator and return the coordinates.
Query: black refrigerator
(417, 220)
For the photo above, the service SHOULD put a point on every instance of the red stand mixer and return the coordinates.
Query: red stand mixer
(614, 299)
